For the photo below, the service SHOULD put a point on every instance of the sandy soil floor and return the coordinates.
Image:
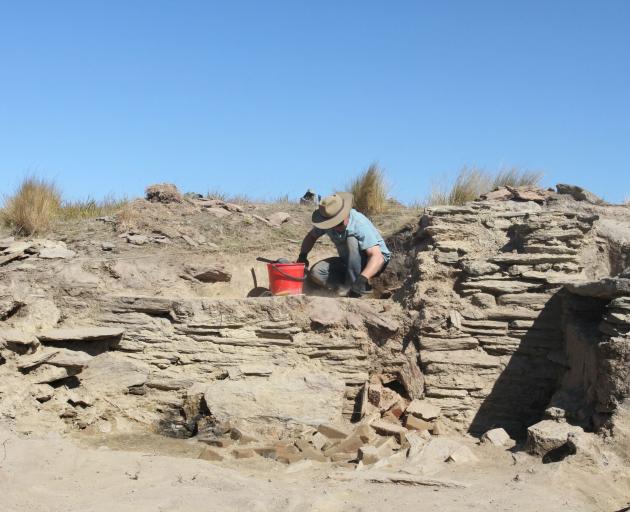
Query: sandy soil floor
(54, 473)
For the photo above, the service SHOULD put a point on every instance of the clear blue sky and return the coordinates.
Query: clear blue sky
(269, 98)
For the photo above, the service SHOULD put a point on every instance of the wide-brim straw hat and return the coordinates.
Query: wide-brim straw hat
(332, 210)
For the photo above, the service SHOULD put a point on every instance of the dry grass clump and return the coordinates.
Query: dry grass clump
(218, 195)
(471, 182)
(33, 208)
(127, 218)
(246, 200)
(90, 208)
(515, 177)
(163, 193)
(370, 191)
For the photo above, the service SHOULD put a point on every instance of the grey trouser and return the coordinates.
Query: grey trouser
(340, 272)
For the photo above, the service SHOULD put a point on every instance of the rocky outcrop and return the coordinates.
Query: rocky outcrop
(487, 282)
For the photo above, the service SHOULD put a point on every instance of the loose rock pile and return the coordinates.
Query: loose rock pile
(373, 442)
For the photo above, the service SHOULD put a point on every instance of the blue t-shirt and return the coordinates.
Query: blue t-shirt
(360, 227)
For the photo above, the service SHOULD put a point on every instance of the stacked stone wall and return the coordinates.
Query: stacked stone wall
(488, 282)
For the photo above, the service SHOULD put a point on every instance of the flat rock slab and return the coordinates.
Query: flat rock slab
(385, 477)
(113, 373)
(33, 360)
(80, 334)
(531, 259)
(501, 286)
(18, 247)
(387, 428)
(210, 274)
(287, 396)
(48, 373)
(607, 288)
(56, 357)
(325, 312)
(10, 257)
(473, 358)
(422, 409)
(18, 337)
(6, 242)
(56, 253)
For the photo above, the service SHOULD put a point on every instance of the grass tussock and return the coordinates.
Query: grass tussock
(515, 177)
(246, 200)
(33, 208)
(127, 218)
(90, 208)
(37, 205)
(471, 182)
(370, 191)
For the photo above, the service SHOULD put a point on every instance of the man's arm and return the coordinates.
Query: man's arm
(307, 244)
(374, 263)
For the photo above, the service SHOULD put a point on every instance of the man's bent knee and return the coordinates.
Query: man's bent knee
(319, 273)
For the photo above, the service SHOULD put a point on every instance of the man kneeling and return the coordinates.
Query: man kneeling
(362, 250)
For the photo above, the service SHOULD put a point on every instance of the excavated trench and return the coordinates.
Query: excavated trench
(494, 315)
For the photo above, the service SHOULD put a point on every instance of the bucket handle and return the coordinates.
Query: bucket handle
(285, 275)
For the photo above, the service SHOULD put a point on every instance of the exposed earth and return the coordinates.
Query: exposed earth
(489, 371)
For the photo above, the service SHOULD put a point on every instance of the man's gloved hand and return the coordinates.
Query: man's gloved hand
(360, 287)
(302, 258)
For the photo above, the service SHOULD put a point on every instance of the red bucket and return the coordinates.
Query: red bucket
(286, 278)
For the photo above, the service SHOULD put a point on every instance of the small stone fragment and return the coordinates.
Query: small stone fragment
(413, 423)
(243, 453)
(422, 409)
(210, 454)
(333, 431)
(56, 253)
(496, 436)
(369, 454)
(210, 274)
(388, 428)
(80, 334)
(483, 300)
(548, 435)
(137, 239)
(309, 451)
(461, 455)
(318, 440)
(278, 218)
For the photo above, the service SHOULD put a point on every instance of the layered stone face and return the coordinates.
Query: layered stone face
(490, 334)
(497, 319)
(284, 359)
